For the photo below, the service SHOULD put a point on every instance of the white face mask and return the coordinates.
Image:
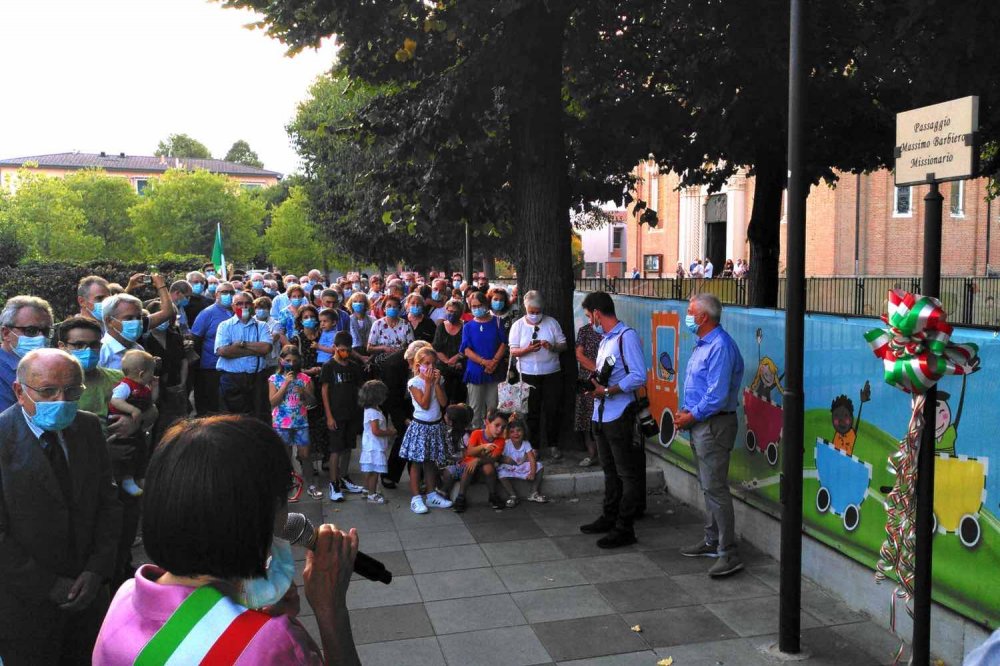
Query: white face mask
(260, 592)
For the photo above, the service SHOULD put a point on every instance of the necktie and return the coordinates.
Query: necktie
(57, 460)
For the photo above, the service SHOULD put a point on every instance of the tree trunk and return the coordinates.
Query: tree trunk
(541, 211)
(764, 233)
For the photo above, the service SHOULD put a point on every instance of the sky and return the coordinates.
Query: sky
(121, 75)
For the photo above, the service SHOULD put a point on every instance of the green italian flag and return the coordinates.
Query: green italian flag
(218, 256)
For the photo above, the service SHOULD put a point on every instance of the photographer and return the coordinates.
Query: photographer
(621, 370)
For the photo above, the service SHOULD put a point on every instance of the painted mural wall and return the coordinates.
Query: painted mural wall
(852, 423)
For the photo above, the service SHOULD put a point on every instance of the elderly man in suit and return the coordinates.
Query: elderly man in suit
(59, 517)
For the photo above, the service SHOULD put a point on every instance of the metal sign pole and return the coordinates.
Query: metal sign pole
(922, 583)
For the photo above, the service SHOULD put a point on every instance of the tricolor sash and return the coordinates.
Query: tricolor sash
(208, 628)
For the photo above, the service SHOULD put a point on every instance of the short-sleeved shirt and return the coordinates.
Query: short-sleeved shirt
(99, 385)
(291, 413)
(433, 411)
(424, 330)
(478, 438)
(205, 326)
(484, 338)
(544, 361)
(518, 455)
(845, 442)
(325, 340)
(383, 334)
(343, 381)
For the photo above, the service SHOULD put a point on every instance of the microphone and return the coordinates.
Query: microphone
(300, 531)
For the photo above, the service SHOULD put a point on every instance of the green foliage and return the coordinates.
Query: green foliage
(56, 281)
(577, 250)
(181, 145)
(179, 213)
(105, 201)
(46, 218)
(293, 240)
(241, 153)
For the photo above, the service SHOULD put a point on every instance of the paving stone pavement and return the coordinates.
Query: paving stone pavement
(524, 586)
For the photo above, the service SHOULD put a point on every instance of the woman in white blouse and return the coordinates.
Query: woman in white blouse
(536, 340)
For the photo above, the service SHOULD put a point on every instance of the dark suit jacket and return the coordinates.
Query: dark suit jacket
(35, 520)
(195, 305)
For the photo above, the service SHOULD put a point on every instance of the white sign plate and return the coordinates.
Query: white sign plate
(937, 143)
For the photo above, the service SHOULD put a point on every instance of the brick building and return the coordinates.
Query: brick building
(874, 229)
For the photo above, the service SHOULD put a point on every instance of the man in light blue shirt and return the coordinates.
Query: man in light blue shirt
(280, 301)
(204, 329)
(241, 343)
(711, 394)
(621, 370)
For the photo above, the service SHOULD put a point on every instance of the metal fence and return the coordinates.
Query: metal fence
(971, 301)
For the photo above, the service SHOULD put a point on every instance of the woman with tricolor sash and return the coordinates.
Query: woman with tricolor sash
(220, 589)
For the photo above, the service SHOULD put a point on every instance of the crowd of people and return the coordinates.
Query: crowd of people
(99, 408)
(705, 269)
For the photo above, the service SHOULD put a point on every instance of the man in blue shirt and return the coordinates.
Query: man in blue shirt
(621, 370)
(280, 302)
(206, 385)
(711, 394)
(241, 343)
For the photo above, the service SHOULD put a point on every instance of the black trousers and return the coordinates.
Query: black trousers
(624, 470)
(206, 392)
(398, 413)
(56, 637)
(238, 392)
(545, 398)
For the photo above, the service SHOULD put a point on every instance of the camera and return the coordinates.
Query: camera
(602, 377)
(647, 424)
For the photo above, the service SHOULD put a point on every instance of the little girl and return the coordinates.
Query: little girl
(374, 438)
(518, 461)
(424, 443)
(290, 391)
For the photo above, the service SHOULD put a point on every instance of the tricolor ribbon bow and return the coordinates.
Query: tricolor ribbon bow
(916, 348)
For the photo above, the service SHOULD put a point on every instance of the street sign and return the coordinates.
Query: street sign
(938, 142)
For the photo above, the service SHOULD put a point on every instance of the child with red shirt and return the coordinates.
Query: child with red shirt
(484, 449)
(134, 396)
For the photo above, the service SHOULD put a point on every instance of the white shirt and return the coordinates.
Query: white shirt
(541, 362)
(369, 440)
(38, 432)
(709, 269)
(438, 314)
(112, 352)
(433, 412)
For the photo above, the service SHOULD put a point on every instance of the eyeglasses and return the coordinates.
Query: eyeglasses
(71, 393)
(33, 331)
(95, 345)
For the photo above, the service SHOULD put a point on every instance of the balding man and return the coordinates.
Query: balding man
(59, 517)
(25, 324)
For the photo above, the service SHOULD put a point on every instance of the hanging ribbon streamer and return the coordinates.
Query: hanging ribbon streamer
(916, 351)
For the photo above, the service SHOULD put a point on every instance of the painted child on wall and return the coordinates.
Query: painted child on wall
(945, 426)
(845, 426)
(766, 381)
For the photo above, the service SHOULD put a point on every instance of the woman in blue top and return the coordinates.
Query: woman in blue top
(484, 344)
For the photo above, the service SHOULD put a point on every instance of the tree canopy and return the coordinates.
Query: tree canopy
(241, 153)
(293, 240)
(105, 201)
(181, 145)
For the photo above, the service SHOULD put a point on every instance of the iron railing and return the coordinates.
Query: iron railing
(971, 301)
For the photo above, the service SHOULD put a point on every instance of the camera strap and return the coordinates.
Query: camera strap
(621, 354)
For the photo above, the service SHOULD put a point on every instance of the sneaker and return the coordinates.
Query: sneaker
(599, 526)
(437, 500)
(314, 492)
(727, 565)
(417, 504)
(496, 502)
(616, 539)
(458, 506)
(588, 462)
(511, 501)
(335, 493)
(351, 486)
(700, 549)
(375, 498)
(538, 497)
(129, 485)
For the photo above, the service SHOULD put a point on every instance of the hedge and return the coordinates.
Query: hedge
(56, 281)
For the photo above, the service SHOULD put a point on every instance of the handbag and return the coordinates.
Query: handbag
(512, 397)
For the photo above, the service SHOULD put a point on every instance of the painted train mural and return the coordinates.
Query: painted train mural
(852, 423)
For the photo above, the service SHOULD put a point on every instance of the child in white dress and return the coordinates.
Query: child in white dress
(518, 461)
(375, 437)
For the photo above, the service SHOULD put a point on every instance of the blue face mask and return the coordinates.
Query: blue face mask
(457, 284)
(435, 295)
(416, 310)
(690, 324)
(356, 286)
(131, 330)
(97, 310)
(309, 285)
(226, 300)
(212, 287)
(183, 303)
(53, 416)
(209, 273)
(392, 312)
(26, 344)
(497, 305)
(309, 323)
(257, 284)
(267, 591)
(358, 307)
(297, 301)
(198, 288)
(88, 358)
(454, 317)
(347, 292)
(597, 328)
(164, 326)
(479, 312)
(261, 314)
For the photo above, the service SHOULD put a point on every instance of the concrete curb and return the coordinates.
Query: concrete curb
(566, 485)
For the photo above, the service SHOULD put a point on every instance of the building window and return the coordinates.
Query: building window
(616, 238)
(251, 186)
(956, 201)
(654, 193)
(903, 201)
(140, 185)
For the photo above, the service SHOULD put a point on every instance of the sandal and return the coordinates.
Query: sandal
(538, 497)
(511, 501)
